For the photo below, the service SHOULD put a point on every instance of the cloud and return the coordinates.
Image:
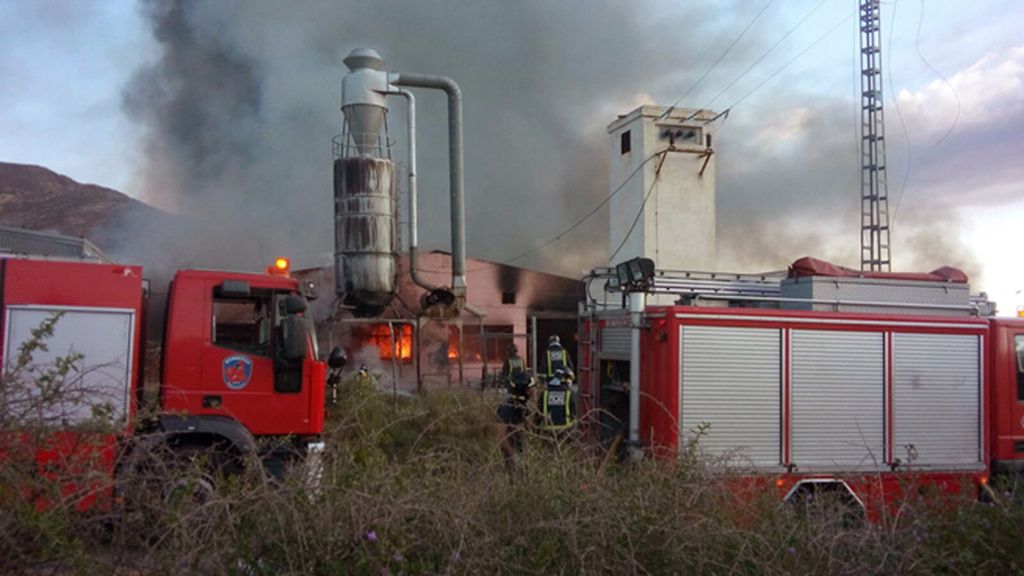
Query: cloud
(984, 94)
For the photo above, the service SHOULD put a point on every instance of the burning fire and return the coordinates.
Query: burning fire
(381, 337)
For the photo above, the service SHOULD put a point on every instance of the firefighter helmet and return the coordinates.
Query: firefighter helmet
(554, 339)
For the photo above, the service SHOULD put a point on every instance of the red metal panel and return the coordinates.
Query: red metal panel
(72, 284)
(1005, 411)
(659, 387)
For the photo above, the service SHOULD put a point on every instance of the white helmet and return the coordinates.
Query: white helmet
(554, 339)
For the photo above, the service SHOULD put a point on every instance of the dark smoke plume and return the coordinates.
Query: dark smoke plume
(242, 102)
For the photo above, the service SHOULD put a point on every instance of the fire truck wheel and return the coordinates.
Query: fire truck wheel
(164, 477)
(193, 476)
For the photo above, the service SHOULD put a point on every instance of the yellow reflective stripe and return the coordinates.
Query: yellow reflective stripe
(544, 406)
(568, 403)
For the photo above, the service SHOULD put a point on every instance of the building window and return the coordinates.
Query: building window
(627, 143)
(508, 297)
(492, 343)
(380, 336)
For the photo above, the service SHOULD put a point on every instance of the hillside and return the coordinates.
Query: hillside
(37, 198)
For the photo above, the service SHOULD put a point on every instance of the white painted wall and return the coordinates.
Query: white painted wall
(677, 227)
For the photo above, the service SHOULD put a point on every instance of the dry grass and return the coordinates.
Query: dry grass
(419, 486)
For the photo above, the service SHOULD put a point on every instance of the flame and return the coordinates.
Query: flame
(453, 345)
(381, 337)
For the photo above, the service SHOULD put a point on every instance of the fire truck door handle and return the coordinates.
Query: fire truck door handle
(211, 402)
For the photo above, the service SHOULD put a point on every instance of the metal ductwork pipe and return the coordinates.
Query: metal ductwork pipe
(414, 242)
(455, 167)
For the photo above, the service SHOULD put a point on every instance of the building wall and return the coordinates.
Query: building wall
(508, 295)
(677, 226)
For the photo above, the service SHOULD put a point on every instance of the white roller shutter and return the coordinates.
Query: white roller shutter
(102, 379)
(837, 400)
(615, 343)
(937, 398)
(730, 379)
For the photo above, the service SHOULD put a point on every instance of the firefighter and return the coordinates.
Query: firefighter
(556, 407)
(513, 413)
(556, 357)
(513, 366)
(361, 380)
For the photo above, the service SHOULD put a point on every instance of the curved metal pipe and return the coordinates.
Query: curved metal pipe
(413, 194)
(455, 167)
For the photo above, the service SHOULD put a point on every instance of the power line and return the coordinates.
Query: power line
(766, 53)
(899, 115)
(792, 60)
(640, 212)
(589, 214)
(716, 62)
(956, 95)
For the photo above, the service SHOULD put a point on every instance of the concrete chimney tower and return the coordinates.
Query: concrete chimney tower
(676, 224)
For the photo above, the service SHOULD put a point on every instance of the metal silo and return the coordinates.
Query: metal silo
(365, 242)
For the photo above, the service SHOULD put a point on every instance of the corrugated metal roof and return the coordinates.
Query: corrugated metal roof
(33, 243)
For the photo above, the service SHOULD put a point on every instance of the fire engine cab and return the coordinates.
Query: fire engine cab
(239, 362)
(821, 377)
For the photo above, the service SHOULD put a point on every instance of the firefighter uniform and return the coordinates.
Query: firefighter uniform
(556, 358)
(555, 405)
(513, 413)
(513, 367)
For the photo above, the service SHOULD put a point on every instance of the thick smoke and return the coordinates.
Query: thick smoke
(242, 102)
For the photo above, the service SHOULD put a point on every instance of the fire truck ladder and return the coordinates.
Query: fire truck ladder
(687, 285)
(755, 290)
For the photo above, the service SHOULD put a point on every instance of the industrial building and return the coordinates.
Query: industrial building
(418, 346)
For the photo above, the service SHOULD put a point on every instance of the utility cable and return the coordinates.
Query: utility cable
(956, 118)
(758, 61)
(791, 61)
(956, 95)
(589, 214)
(903, 124)
(640, 212)
(716, 62)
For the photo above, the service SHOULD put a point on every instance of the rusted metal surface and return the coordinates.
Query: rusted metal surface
(364, 232)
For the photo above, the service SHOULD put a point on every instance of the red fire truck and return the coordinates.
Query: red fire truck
(240, 372)
(821, 378)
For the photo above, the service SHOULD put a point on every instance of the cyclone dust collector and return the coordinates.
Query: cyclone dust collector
(365, 240)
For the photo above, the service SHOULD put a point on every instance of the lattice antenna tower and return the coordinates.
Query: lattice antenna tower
(874, 192)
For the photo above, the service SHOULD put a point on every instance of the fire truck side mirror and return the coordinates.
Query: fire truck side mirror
(293, 338)
(294, 305)
(337, 359)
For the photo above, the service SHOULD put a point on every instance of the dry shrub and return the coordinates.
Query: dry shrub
(419, 486)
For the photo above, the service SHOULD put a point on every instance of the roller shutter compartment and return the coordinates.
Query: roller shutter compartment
(937, 399)
(837, 400)
(730, 379)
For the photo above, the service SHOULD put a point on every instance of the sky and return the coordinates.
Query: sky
(223, 112)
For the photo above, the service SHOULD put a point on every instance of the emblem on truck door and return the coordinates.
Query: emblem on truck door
(237, 371)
